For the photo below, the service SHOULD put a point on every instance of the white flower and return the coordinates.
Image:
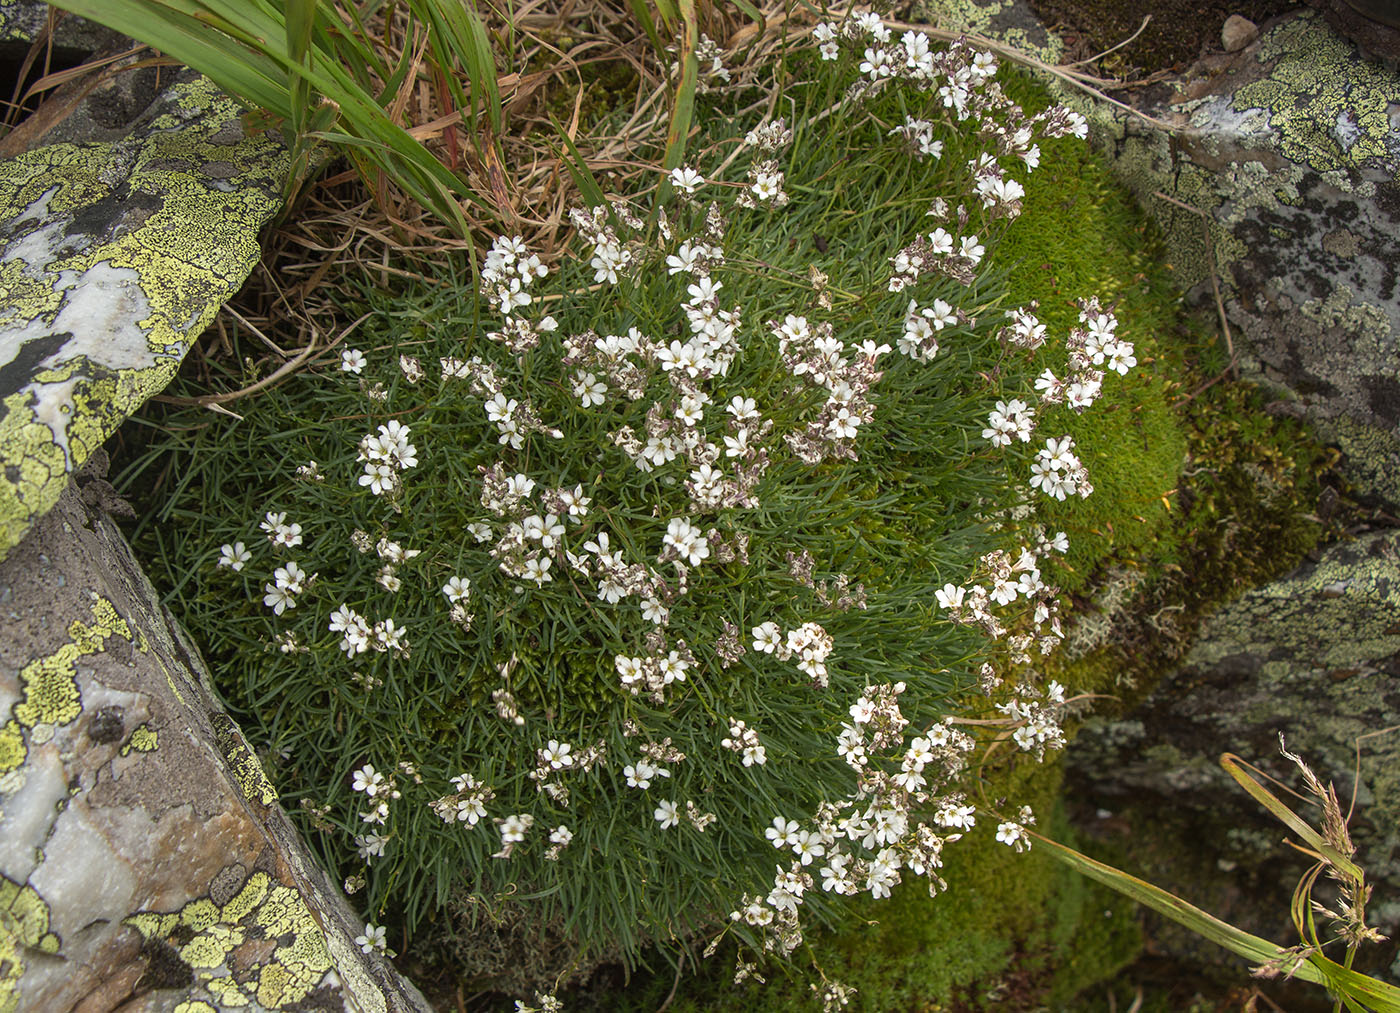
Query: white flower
(457, 589)
(742, 408)
(279, 599)
(767, 186)
(589, 389)
(499, 408)
(556, 754)
(641, 774)
(686, 179)
(352, 360)
(653, 609)
(537, 570)
(561, 835)
(370, 845)
(233, 556)
(368, 780)
(1013, 835)
(289, 578)
(514, 828)
(372, 939)
(380, 478)
(667, 814)
(807, 846)
(783, 833)
(767, 638)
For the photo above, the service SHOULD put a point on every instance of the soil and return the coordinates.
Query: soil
(1181, 31)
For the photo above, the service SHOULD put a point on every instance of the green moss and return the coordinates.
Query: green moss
(1082, 235)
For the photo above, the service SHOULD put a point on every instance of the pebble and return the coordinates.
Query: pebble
(1237, 33)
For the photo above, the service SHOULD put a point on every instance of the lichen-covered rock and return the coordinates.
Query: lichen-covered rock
(113, 258)
(144, 861)
(1292, 151)
(1295, 152)
(1315, 655)
(22, 22)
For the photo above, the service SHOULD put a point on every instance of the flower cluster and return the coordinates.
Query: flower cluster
(619, 535)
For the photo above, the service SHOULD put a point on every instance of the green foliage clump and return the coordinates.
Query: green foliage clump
(476, 696)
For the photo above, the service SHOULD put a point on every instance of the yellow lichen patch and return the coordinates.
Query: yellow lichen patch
(49, 685)
(200, 914)
(143, 740)
(27, 446)
(263, 909)
(1329, 110)
(195, 1006)
(246, 769)
(12, 747)
(247, 899)
(24, 925)
(229, 993)
(212, 946)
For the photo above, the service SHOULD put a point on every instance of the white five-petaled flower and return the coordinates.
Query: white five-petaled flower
(767, 638)
(686, 179)
(290, 578)
(667, 814)
(457, 589)
(371, 845)
(279, 599)
(640, 775)
(1013, 835)
(368, 780)
(783, 833)
(234, 556)
(352, 360)
(590, 391)
(556, 754)
(372, 939)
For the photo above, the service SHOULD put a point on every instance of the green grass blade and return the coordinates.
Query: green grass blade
(1269, 801)
(578, 169)
(644, 18)
(678, 132)
(669, 16)
(247, 75)
(751, 12)
(301, 21)
(1251, 947)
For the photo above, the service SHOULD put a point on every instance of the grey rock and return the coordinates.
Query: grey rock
(144, 859)
(24, 21)
(1291, 150)
(1314, 655)
(113, 259)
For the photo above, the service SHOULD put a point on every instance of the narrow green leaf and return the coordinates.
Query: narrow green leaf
(667, 10)
(751, 12)
(578, 169)
(644, 18)
(681, 114)
(1269, 801)
(1251, 947)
